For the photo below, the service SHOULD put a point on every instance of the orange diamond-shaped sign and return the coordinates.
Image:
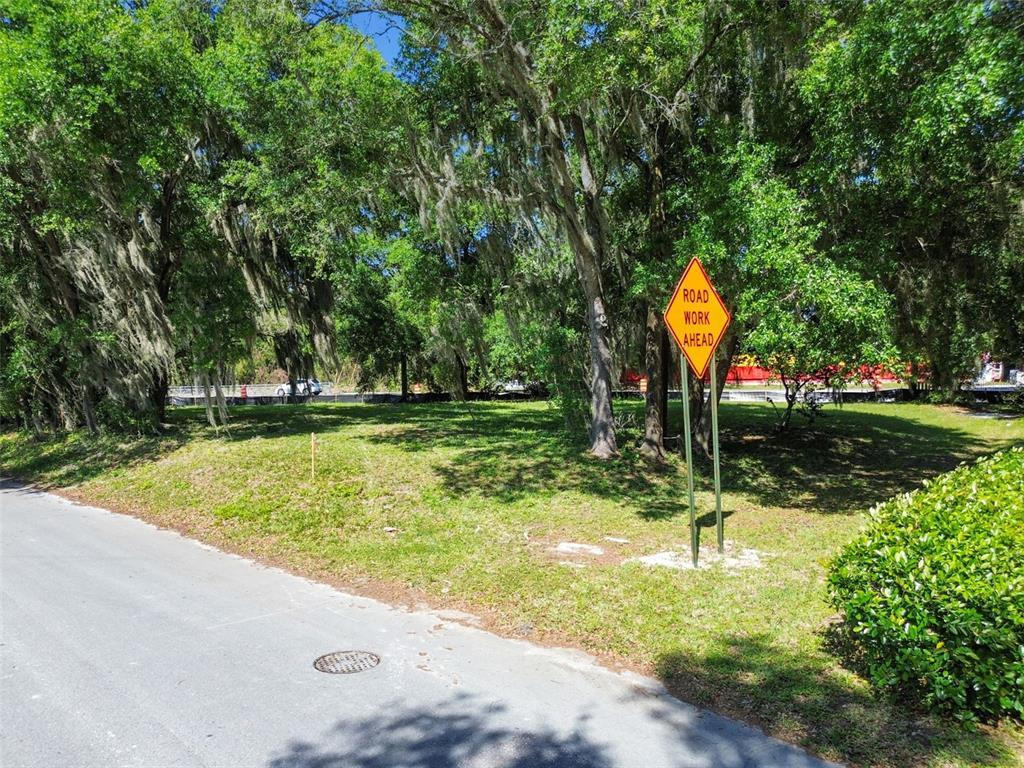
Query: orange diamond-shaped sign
(697, 317)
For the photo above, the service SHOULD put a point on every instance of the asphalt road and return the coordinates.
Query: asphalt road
(125, 645)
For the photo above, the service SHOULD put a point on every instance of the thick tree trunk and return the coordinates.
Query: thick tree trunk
(588, 268)
(564, 188)
(588, 241)
(700, 415)
(656, 399)
(158, 398)
(164, 268)
(602, 428)
(88, 409)
(656, 336)
(462, 383)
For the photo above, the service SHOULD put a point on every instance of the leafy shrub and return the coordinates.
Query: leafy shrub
(933, 591)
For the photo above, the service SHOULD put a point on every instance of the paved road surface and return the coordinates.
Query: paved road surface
(125, 645)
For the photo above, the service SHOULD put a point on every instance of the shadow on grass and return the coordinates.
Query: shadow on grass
(507, 452)
(710, 519)
(69, 459)
(802, 699)
(843, 463)
(507, 456)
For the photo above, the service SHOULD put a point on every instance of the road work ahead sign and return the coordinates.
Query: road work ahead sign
(697, 317)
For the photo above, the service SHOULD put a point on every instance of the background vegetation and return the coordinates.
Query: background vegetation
(187, 186)
(208, 191)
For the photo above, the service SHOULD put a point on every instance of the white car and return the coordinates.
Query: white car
(303, 387)
(510, 386)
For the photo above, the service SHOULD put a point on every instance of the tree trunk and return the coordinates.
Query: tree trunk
(27, 414)
(88, 410)
(602, 428)
(792, 389)
(222, 406)
(657, 348)
(589, 244)
(587, 254)
(656, 399)
(166, 267)
(462, 383)
(38, 427)
(666, 380)
(563, 189)
(158, 398)
(700, 414)
(404, 375)
(211, 419)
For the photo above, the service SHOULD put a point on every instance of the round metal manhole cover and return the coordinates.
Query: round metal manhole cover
(346, 662)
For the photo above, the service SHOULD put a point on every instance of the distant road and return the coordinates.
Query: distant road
(235, 390)
(265, 394)
(125, 645)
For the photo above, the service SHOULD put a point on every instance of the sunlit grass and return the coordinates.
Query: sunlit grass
(479, 495)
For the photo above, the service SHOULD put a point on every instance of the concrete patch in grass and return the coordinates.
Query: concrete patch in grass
(575, 548)
(734, 558)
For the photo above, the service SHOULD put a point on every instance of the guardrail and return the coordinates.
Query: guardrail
(196, 398)
(266, 394)
(749, 395)
(235, 390)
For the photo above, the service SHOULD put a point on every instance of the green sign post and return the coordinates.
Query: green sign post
(698, 318)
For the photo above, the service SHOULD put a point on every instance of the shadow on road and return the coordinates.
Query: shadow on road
(462, 732)
(470, 733)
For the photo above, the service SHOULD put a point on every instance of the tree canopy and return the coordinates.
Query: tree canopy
(185, 183)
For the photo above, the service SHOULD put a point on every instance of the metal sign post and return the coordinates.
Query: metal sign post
(719, 523)
(685, 373)
(697, 318)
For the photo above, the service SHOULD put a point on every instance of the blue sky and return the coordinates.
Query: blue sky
(383, 30)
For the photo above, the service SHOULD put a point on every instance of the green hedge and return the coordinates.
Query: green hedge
(933, 591)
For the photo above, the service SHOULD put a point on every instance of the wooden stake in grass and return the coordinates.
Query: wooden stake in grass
(312, 456)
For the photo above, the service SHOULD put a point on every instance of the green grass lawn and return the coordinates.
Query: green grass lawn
(481, 494)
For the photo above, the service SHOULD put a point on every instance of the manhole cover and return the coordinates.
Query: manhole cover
(346, 662)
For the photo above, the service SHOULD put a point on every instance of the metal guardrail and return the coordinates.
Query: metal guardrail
(235, 390)
(191, 398)
(266, 394)
(747, 395)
